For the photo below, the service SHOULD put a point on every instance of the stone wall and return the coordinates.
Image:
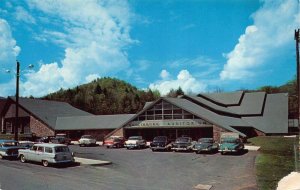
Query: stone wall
(39, 128)
(217, 132)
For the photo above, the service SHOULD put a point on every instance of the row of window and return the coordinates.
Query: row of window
(9, 128)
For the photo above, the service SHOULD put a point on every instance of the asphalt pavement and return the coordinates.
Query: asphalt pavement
(135, 170)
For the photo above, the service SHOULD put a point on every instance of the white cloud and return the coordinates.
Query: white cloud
(184, 80)
(8, 48)
(22, 15)
(164, 74)
(271, 33)
(95, 36)
(91, 77)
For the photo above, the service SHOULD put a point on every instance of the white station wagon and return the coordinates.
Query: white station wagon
(47, 153)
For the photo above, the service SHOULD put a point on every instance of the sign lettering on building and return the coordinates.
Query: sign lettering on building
(168, 123)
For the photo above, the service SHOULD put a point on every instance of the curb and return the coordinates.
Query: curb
(91, 162)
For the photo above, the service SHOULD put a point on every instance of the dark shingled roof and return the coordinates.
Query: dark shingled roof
(265, 112)
(92, 122)
(48, 111)
(2, 104)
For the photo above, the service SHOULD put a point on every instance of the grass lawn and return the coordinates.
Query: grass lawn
(276, 160)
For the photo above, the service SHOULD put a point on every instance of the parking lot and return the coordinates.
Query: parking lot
(135, 169)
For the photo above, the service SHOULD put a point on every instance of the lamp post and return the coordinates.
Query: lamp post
(16, 126)
(297, 154)
(17, 102)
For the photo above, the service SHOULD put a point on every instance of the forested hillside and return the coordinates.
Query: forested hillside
(113, 96)
(290, 88)
(105, 96)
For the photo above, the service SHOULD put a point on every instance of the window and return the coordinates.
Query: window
(40, 149)
(8, 127)
(61, 149)
(27, 129)
(34, 148)
(167, 111)
(48, 150)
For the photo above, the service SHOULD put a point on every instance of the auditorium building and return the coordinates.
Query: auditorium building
(207, 115)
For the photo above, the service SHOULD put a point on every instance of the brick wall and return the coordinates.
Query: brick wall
(39, 128)
(217, 132)
(119, 132)
(259, 133)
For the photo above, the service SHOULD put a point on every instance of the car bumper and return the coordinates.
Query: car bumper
(61, 161)
(86, 142)
(180, 149)
(228, 150)
(202, 149)
(131, 145)
(159, 148)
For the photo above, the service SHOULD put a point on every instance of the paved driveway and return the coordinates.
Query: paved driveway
(135, 170)
(144, 169)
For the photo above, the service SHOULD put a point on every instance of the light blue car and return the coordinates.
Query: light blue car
(9, 149)
(47, 153)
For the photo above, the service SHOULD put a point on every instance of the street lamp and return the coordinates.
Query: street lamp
(297, 38)
(16, 127)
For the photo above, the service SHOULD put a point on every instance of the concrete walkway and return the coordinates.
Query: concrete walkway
(85, 161)
(254, 148)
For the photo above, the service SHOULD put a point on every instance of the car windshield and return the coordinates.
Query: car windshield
(87, 136)
(183, 139)
(160, 138)
(8, 144)
(135, 138)
(229, 140)
(61, 149)
(205, 140)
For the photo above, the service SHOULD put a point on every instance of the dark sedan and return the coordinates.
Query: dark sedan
(206, 145)
(183, 144)
(160, 143)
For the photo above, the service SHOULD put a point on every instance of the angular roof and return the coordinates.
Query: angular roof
(208, 115)
(231, 98)
(92, 122)
(48, 111)
(265, 112)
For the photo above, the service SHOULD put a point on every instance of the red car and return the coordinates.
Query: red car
(114, 142)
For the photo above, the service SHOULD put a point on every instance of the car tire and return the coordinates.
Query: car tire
(1, 157)
(222, 153)
(80, 145)
(45, 163)
(22, 158)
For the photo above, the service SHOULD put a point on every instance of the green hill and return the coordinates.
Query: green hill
(105, 96)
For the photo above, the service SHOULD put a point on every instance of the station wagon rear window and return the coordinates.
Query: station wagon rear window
(48, 150)
(61, 149)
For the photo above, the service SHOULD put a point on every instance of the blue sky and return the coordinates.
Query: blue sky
(200, 45)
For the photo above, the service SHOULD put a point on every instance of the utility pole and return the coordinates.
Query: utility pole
(297, 33)
(17, 102)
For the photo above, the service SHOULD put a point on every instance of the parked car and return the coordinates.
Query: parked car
(183, 144)
(26, 144)
(60, 140)
(47, 153)
(160, 143)
(229, 144)
(9, 149)
(45, 139)
(114, 142)
(206, 145)
(135, 142)
(87, 140)
(66, 139)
